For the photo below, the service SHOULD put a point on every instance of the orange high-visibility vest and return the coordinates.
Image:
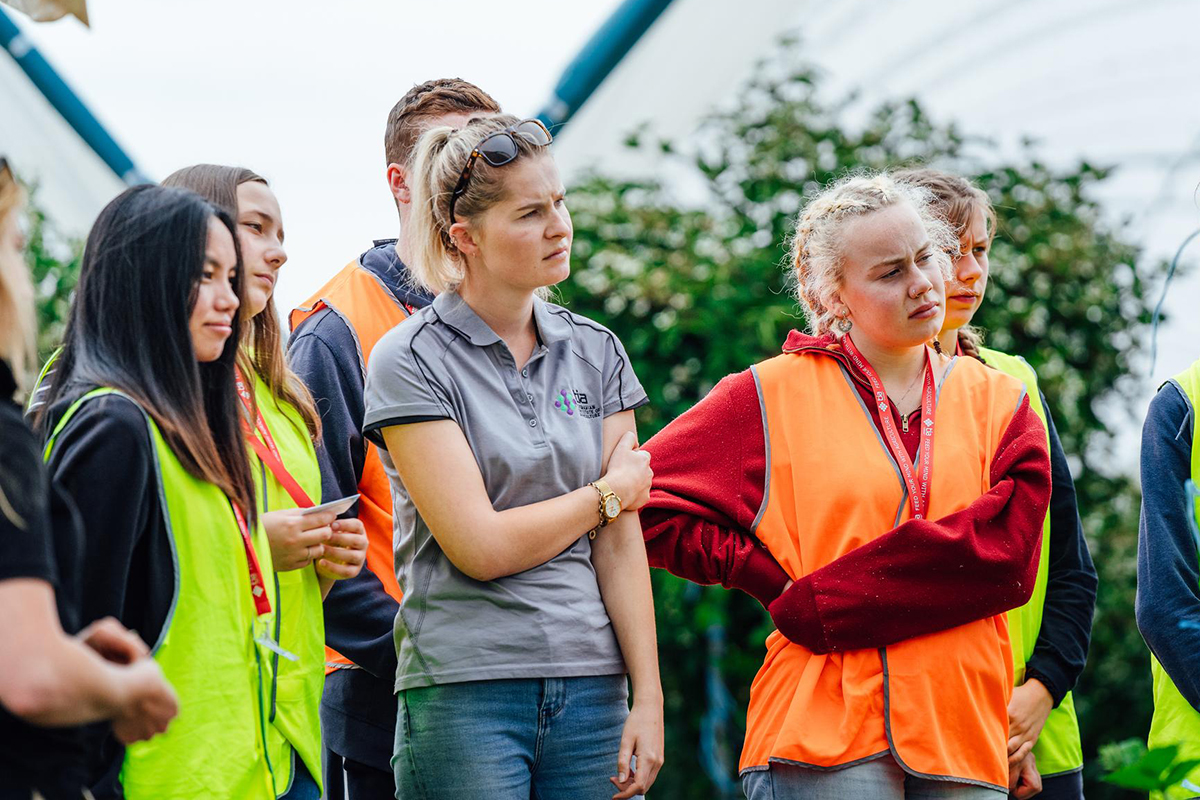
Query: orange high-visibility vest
(937, 703)
(369, 310)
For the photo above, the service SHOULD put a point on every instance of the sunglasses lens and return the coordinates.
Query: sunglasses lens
(534, 132)
(498, 149)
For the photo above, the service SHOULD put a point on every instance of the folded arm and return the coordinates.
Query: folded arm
(983, 558)
(709, 484)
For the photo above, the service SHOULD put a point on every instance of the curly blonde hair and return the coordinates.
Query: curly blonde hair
(816, 267)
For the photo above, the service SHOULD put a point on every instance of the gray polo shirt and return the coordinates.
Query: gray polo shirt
(536, 434)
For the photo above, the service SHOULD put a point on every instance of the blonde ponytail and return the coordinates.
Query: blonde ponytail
(441, 156)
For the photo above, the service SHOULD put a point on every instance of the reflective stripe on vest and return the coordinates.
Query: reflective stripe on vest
(938, 703)
(1058, 748)
(1175, 721)
(369, 310)
(295, 694)
(215, 747)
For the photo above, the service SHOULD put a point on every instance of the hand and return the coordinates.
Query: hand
(643, 738)
(345, 552)
(150, 703)
(297, 540)
(629, 473)
(1031, 704)
(1025, 781)
(113, 641)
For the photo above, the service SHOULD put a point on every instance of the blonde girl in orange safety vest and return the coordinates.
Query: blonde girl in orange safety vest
(883, 500)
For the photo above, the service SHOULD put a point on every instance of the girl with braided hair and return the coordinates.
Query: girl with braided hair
(882, 499)
(1050, 633)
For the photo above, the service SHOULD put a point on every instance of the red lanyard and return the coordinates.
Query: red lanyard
(918, 489)
(262, 604)
(268, 452)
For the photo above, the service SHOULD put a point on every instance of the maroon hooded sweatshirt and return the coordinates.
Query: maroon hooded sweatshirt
(710, 470)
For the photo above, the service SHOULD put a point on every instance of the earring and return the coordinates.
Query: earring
(844, 324)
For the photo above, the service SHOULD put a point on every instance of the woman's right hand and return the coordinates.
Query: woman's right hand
(150, 702)
(297, 539)
(629, 473)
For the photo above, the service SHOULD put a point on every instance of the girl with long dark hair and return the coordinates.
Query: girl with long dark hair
(144, 433)
(50, 678)
(280, 423)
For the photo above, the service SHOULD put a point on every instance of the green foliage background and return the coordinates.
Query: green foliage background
(696, 290)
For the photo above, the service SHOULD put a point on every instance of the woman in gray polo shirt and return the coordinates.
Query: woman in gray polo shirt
(526, 590)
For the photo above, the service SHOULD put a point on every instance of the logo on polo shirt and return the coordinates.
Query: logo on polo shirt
(565, 402)
(575, 404)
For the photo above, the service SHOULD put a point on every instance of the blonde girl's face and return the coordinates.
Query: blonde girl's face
(964, 291)
(892, 286)
(523, 242)
(260, 234)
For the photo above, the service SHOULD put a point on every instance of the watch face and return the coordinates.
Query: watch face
(612, 507)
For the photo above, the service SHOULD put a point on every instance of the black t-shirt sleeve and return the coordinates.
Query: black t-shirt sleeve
(26, 546)
(1061, 650)
(103, 460)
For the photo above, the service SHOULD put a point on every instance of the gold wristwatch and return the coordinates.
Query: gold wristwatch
(610, 505)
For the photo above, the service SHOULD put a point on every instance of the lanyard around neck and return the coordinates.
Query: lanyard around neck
(265, 447)
(916, 479)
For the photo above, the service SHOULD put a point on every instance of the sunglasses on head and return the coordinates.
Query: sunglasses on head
(500, 148)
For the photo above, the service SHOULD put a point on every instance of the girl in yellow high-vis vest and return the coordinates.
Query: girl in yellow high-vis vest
(1168, 593)
(310, 551)
(143, 432)
(1050, 633)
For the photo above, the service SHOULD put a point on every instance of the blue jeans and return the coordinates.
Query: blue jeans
(303, 786)
(539, 738)
(881, 779)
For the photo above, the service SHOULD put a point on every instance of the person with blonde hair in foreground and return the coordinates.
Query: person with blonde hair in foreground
(883, 500)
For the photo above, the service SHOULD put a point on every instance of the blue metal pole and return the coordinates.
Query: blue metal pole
(615, 38)
(66, 102)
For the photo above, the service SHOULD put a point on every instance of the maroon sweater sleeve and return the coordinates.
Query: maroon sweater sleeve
(709, 481)
(927, 576)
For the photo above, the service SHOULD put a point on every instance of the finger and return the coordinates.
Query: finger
(628, 441)
(320, 520)
(336, 570)
(112, 641)
(626, 749)
(354, 558)
(347, 541)
(350, 525)
(1018, 756)
(313, 536)
(643, 769)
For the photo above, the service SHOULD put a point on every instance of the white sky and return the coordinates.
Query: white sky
(299, 91)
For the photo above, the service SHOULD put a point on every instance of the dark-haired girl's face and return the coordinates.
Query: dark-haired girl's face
(211, 323)
(260, 233)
